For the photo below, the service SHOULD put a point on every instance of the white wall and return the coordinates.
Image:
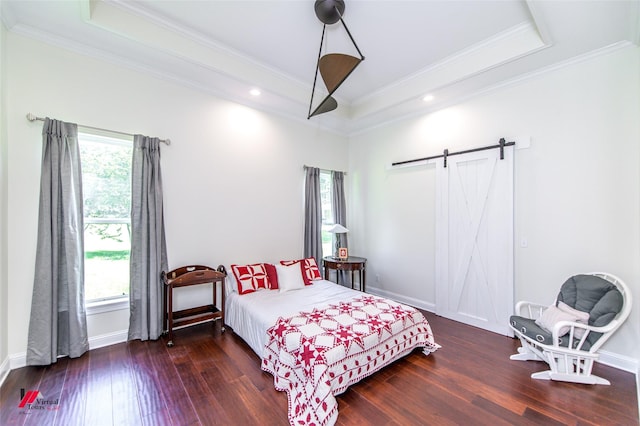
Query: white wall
(577, 188)
(3, 206)
(233, 176)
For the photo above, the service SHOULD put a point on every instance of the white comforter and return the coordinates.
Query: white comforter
(251, 315)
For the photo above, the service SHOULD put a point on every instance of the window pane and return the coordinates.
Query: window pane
(327, 213)
(106, 260)
(106, 177)
(106, 187)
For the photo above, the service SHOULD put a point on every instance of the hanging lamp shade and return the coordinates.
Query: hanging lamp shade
(333, 67)
(328, 104)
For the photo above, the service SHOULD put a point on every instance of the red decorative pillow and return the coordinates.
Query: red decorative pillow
(273, 276)
(251, 277)
(310, 270)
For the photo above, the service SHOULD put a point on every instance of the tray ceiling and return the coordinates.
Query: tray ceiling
(449, 49)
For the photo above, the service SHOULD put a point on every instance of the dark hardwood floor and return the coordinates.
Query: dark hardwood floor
(211, 378)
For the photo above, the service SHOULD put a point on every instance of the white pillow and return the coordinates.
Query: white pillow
(551, 316)
(583, 317)
(289, 277)
(230, 285)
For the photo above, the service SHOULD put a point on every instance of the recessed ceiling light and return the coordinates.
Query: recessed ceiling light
(428, 98)
(255, 92)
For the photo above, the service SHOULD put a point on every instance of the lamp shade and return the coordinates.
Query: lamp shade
(337, 229)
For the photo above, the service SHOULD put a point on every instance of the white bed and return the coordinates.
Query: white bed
(295, 333)
(251, 315)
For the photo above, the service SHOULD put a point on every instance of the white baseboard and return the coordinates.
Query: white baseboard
(611, 359)
(108, 339)
(4, 370)
(621, 362)
(625, 363)
(417, 303)
(19, 360)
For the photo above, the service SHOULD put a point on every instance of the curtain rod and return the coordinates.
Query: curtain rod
(32, 117)
(501, 144)
(327, 170)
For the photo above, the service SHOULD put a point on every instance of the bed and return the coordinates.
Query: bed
(320, 339)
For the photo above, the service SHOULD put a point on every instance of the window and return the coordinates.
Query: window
(327, 212)
(106, 186)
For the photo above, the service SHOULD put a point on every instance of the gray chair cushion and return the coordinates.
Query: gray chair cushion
(595, 295)
(586, 293)
(534, 331)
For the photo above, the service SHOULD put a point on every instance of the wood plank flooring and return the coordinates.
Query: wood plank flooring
(209, 378)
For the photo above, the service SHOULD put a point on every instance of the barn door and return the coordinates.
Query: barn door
(474, 231)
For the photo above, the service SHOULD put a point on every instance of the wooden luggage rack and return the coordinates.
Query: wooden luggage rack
(187, 276)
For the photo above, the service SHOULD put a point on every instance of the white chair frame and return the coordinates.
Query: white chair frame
(566, 364)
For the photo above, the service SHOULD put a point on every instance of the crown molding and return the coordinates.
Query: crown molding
(201, 51)
(477, 68)
(536, 15)
(559, 65)
(364, 128)
(291, 110)
(158, 37)
(197, 37)
(287, 108)
(514, 43)
(477, 48)
(7, 17)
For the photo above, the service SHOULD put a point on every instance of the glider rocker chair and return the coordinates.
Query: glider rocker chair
(568, 334)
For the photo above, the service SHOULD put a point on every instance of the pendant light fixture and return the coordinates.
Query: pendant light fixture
(333, 67)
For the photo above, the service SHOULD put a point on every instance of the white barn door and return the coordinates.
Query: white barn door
(474, 246)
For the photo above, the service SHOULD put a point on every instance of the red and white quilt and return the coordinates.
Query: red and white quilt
(316, 355)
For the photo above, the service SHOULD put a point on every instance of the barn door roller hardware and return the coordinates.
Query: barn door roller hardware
(501, 145)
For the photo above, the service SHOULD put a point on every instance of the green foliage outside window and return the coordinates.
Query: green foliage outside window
(106, 180)
(106, 184)
(327, 213)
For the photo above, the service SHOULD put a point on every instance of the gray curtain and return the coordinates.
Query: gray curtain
(58, 324)
(338, 205)
(148, 247)
(312, 214)
(339, 211)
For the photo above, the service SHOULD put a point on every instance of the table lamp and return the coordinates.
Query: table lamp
(337, 229)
